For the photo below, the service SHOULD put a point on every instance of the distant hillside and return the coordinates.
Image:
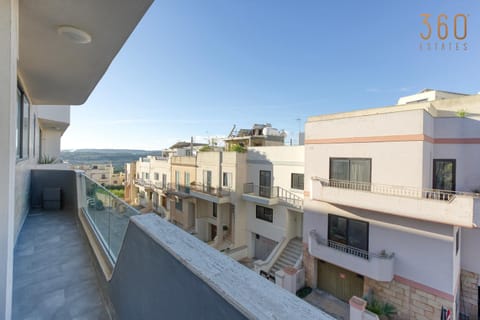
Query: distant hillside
(118, 157)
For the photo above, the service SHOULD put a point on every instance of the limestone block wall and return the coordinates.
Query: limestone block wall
(411, 302)
(469, 294)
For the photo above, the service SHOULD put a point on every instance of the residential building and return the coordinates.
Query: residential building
(274, 207)
(131, 191)
(182, 204)
(160, 176)
(78, 225)
(392, 205)
(259, 135)
(220, 218)
(99, 172)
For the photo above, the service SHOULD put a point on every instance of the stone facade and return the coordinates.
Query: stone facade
(410, 302)
(309, 265)
(469, 294)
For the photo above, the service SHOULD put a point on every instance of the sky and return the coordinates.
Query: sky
(198, 67)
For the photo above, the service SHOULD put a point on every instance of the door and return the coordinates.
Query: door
(191, 214)
(207, 180)
(265, 184)
(444, 174)
(213, 232)
(339, 282)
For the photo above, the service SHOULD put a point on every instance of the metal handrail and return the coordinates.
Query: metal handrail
(261, 191)
(215, 191)
(401, 191)
(349, 249)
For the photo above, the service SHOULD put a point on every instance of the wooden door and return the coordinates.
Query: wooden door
(339, 282)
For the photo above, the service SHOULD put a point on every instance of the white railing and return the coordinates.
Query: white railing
(275, 192)
(400, 191)
(290, 198)
(349, 249)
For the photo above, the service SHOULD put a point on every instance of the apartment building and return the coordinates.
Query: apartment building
(273, 196)
(100, 172)
(392, 205)
(220, 218)
(131, 191)
(259, 135)
(182, 204)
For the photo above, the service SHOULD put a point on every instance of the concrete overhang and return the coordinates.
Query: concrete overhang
(54, 70)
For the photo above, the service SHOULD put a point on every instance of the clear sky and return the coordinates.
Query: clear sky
(197, 67)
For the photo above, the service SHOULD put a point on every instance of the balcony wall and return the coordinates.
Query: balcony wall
(461, 210)
(180, 277)
(375, 267)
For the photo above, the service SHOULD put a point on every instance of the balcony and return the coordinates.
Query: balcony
(178, 190)
(447, 207)
(378, 266)
(212, 194)
(271, 196)
(146, 267)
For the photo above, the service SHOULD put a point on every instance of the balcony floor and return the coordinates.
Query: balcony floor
(53, 275)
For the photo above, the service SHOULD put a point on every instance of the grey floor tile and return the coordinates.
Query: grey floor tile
(54, 277)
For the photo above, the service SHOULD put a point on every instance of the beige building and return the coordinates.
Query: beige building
(182, 204)
(259, 135)
(220, 218)
(392, 205)
(102, 173)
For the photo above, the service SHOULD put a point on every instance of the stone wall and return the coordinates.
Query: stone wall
(469, 294)
(309, 265)
(411, 302)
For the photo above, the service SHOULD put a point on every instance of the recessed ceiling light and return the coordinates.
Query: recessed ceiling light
(75, 35)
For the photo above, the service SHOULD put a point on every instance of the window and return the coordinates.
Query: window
(264, 213)
(177, 180)
(147, 176)
(104, 176)
(22, 132)
(297, 181)
(164, 181)
(227, 179)
(179, 204)
(444, 174)
(354, 173)
(350, 232)
(214, 210)
(156, 176)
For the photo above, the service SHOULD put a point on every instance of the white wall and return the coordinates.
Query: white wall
(423, 251)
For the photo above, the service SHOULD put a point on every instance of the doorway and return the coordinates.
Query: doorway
(444, 174)
(265, 184)
(339, 282)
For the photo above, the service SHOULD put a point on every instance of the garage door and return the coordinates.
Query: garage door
(339, 282)
(263, 247)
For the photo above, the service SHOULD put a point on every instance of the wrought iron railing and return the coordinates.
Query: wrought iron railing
(400, 191)
(273, 192)
(177, 188)
(349, 249)
(208, 189)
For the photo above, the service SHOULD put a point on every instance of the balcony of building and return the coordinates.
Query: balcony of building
(175, 189)
(377, 266)
(93, 256)
(210, 193)
(447, 207)
(266, 195)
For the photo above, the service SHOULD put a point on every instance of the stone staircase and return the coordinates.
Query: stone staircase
(289, 256)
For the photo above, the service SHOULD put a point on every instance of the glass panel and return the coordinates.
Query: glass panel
(444, 174)
(358, 234)
(360, 170)
(337, 229)
(108, 215)
(18, 135)
(339, 169)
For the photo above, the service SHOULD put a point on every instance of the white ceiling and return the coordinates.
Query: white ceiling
(54, 70)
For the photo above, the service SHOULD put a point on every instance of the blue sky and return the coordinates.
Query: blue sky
(197, 67)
